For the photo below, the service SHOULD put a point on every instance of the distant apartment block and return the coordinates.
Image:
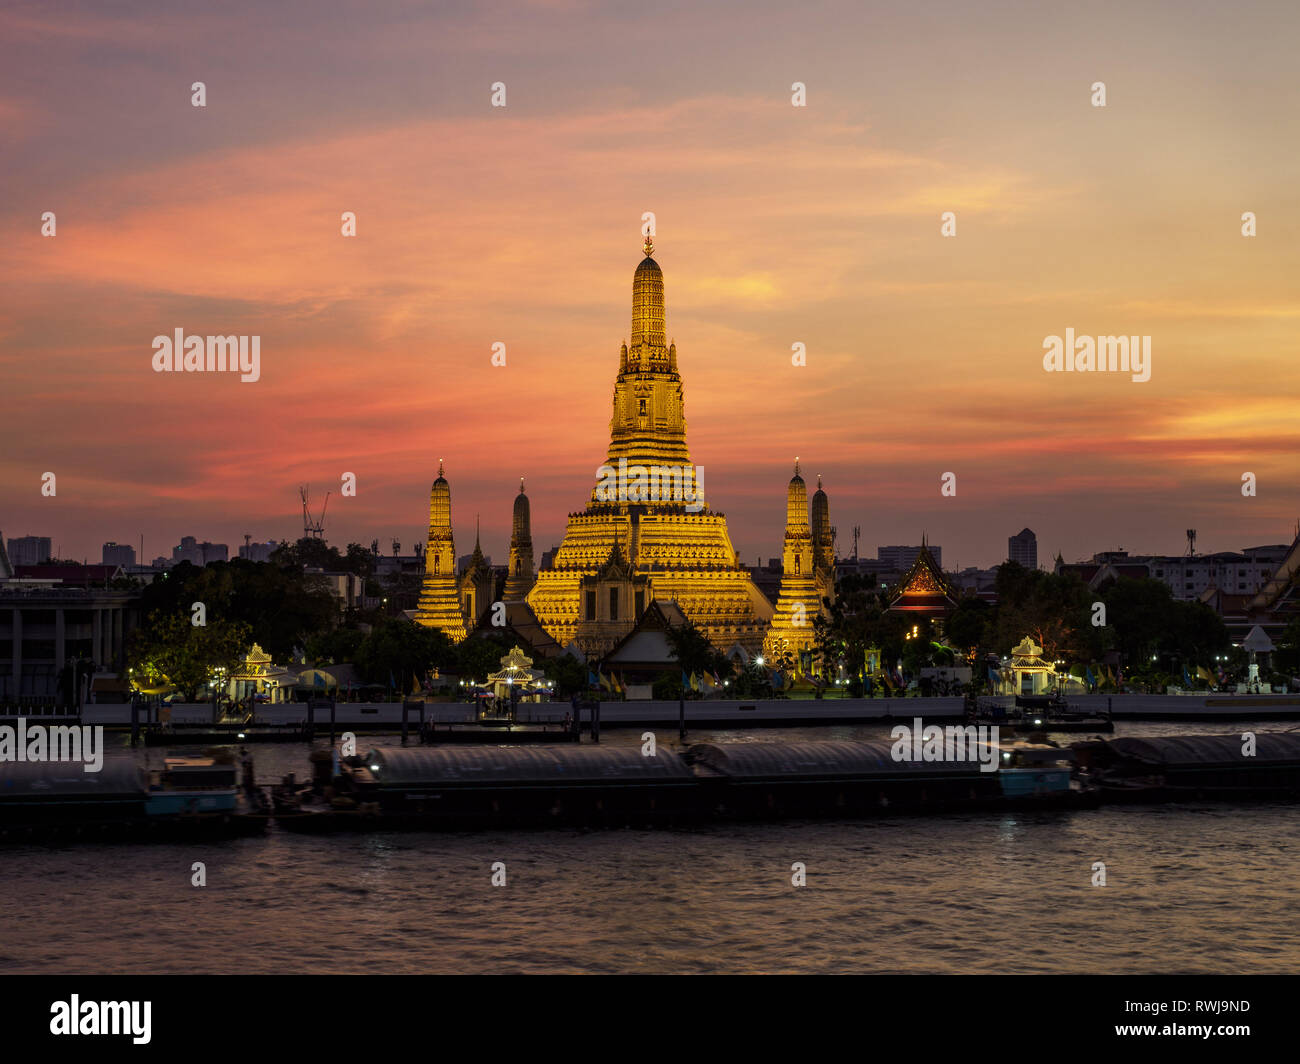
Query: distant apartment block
(29, 550)
(1022, 549)
(899, 559)
(190, 550)
(258, 552)
(1188, 576)
(122, 554)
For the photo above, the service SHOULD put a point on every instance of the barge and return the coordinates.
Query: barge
(586, 786)
(1239, 766)
(189, 798)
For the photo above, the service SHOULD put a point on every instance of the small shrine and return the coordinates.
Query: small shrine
(257, 675)
(1031, 674)
(517, 681)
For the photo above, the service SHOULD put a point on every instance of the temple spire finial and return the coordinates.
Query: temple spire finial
(648, 245)
(819, 482)
(439, 467)
(796, 465)
(521, 485)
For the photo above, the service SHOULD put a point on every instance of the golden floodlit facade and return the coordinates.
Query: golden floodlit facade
(647, 532)
(808, 571)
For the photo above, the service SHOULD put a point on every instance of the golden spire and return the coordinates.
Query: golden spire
(796, 465)
(521, 485)
(439, 467)
(648, 245)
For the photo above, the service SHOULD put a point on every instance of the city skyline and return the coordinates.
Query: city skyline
(777, 225)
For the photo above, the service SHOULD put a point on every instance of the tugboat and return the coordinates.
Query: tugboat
(1039, 713)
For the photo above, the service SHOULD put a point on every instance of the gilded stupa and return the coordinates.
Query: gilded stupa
(654, 537)
(439, 605)
(806, 566)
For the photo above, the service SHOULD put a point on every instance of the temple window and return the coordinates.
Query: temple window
(591, 605)
(519, 565)
(643, 408)
(437, 564)
(613, 603)
(797, 559)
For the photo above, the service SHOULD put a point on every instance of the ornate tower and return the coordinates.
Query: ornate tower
(648, 425)
(823, 544)
(519, 577)
(626, 550)
(476, 586)
(798, 602)
(439, 605)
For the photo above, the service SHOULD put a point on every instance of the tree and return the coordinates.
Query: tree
(567, 673)
(1286, 657)
(694, 652)
(480, 655)
(396, 651)
(169, 648)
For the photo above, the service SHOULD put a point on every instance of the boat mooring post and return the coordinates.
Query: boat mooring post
(595, 721)
(135, 721)
(331, 722)
(404, 721)
(681, 716)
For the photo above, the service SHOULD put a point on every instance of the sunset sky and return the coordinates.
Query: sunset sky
(775, 225)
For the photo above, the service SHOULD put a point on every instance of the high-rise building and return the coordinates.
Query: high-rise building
(122, 554)
(258, 552)
(1023, 549)
(29, 550)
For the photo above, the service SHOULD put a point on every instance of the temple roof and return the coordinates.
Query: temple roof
(924, 586)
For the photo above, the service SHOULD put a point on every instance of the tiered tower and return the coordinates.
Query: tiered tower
(823, 544)
(439, 605)
(620, 553)
(799, 600)
(519, 577)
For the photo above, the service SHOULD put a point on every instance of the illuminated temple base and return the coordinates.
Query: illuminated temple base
(618, 557)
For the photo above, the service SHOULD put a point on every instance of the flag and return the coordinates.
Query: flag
(1087, 675)
(391, 681)
(617, 684)
(695, 683)
(1203, 673)
(1187, 677)
(604, 681)
(317, 680)
(415, 684)
(592, 681)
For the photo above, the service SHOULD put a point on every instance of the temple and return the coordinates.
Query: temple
(654, 537)
(646, 536)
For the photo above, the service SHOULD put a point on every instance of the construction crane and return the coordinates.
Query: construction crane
(312, 529)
